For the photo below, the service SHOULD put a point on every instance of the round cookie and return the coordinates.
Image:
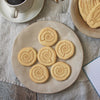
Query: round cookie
(27, 56)
(47, 56)
(39, 73)
(60, 71)
(93, 19)
(65, 49)
(48, 36)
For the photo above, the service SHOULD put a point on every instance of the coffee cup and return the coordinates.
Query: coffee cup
(18, 6)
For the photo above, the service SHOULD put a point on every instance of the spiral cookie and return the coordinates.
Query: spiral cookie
(60, 71)
(39, 73)
(48, 36)
(93, 19)
(65, 49)
(85, 7)
(27, 56)
(47, 56)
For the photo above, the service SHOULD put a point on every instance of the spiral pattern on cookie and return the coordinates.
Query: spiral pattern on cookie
(39, 73)
(48, 36)
(60, 71)
(64, 49)
(27, 56)
(47, 56)
(93, 19)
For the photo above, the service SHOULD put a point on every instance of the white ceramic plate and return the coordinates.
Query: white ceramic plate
(29, 37)
(22, 17)
(80, 23)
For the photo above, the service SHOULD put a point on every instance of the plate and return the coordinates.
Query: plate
(80, 23)
(29, 37)
(22, 17)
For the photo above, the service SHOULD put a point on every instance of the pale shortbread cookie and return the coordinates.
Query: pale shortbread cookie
(47, 56)
(27, 56)
(39, 73)
(48, 36)
(93, 19)
(65, 49)
(85, 7)
(60, 71)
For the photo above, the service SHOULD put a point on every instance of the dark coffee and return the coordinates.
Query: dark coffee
(15, 2)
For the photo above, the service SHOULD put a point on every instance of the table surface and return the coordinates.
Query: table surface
(13, 92)
(82, 88)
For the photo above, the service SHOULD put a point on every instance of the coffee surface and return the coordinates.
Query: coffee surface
(15, 2)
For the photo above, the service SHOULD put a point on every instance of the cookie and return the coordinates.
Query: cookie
(48, 36)
(39, 73)
(27, 56)
(47, 56)
(65, 49)
(60, 71)
(85, 7)
(93, 19)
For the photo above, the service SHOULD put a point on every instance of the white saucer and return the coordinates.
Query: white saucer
(22, 17)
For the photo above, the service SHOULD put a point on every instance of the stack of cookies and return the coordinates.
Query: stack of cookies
(90, 12)
(47, 56)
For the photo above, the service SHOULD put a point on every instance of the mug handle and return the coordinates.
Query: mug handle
(13, 12)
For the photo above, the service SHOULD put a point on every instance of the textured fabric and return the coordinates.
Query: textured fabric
(81, 89)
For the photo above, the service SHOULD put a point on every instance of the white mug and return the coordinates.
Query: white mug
(19, 8)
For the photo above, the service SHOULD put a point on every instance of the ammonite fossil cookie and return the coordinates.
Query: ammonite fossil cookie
(65, 49)
(93, 19)
(60, 71)
(47, 56)
(48, 36)
(27, 56)
(85, 7)
(39, 73)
